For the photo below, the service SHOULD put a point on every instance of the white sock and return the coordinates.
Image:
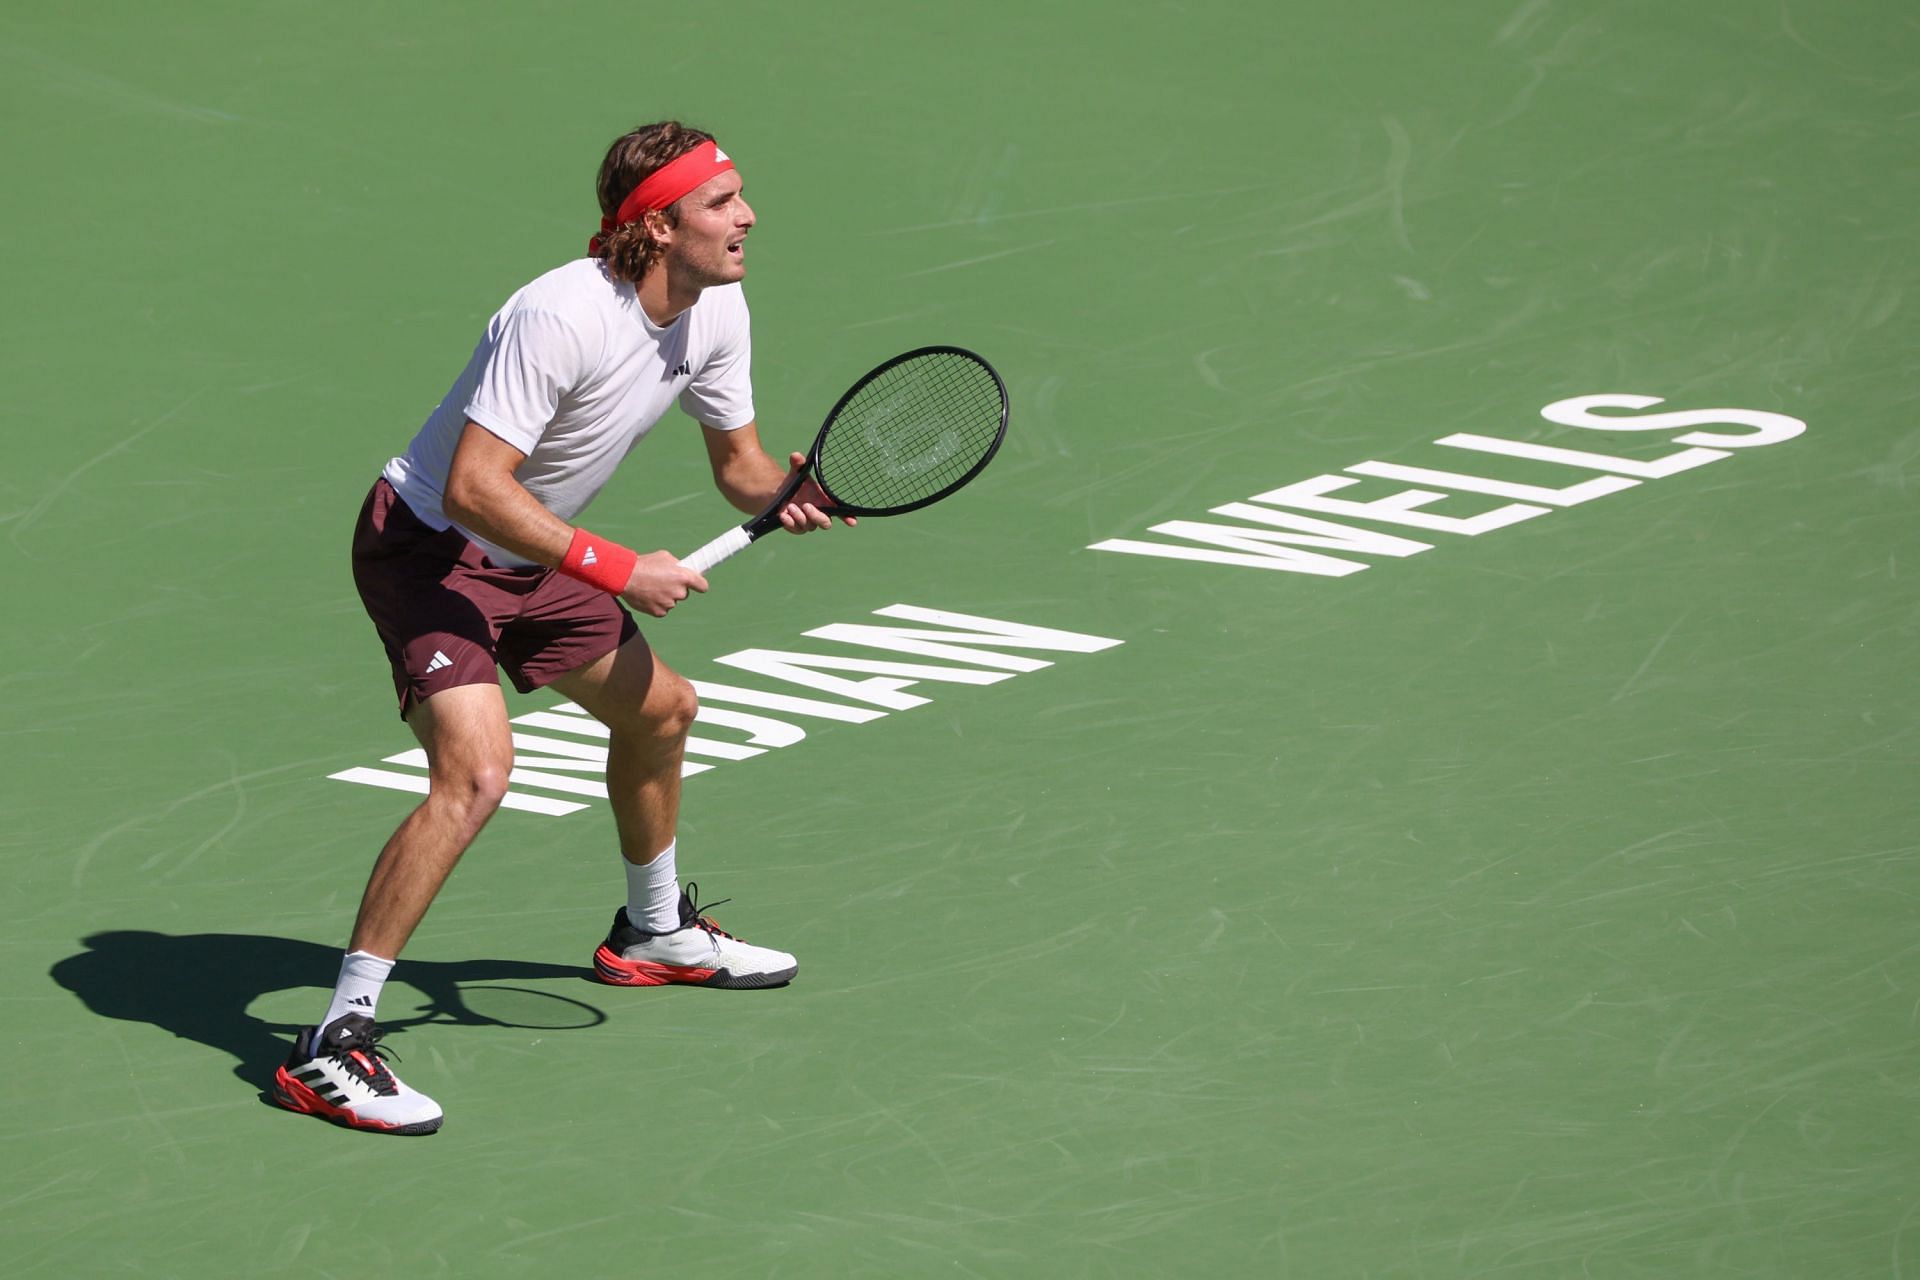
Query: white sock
(362, 974)
(653, 893)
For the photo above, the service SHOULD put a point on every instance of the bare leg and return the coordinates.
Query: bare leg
(469, 755)
(328, 1073)
(649, 710)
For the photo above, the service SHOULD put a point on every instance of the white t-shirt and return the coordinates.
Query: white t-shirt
(572, 373)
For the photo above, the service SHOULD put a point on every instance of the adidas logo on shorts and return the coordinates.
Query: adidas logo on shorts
(439, 660)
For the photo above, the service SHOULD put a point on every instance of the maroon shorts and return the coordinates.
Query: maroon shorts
(447, 614)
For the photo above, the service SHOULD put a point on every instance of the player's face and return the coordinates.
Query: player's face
(708, 247)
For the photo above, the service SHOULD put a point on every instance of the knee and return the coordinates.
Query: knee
(674, 706)
(667, 712)
(474, 790)
(487, 786)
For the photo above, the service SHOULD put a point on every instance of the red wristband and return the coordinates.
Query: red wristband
(599, 563)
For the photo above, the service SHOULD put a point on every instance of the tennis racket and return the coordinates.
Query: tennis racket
(907, 434)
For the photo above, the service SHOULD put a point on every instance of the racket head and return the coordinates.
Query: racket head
(911, 431)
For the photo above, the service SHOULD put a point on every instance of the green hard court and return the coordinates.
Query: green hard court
(1534, 901)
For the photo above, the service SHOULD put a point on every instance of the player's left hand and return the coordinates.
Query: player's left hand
(810, 508)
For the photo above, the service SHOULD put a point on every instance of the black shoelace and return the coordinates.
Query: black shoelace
(698, 910)
(366, 1060)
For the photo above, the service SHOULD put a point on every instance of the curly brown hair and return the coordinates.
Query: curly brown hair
(632, 158)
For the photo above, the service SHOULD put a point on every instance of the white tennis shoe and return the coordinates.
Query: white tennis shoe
(699, 952)
(340, 1073)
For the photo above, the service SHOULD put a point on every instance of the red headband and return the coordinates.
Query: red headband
(665, 185)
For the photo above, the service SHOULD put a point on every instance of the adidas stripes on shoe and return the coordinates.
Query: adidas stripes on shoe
(339, 1073)
(699, 952)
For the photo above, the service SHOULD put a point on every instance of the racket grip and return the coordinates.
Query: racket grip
(727, 544)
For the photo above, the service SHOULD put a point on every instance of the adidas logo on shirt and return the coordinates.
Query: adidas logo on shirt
(684, 371)
(439, 660)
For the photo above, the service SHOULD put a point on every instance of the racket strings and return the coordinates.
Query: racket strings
(912, 433)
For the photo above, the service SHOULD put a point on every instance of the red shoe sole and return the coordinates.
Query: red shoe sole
(294, 1096)
(610, 968)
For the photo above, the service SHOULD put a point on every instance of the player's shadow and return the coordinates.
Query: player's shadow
(199, 986)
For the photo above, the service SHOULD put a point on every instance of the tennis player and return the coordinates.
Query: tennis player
(467, 558)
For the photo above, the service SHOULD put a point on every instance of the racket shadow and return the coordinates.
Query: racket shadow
(199, 987)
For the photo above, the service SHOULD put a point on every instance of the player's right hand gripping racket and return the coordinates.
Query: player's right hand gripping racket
(909, 433)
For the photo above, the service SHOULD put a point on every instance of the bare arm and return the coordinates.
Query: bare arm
(749, 478)
(483, 496)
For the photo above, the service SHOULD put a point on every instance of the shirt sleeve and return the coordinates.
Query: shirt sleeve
(532, 358)
(721, 393)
